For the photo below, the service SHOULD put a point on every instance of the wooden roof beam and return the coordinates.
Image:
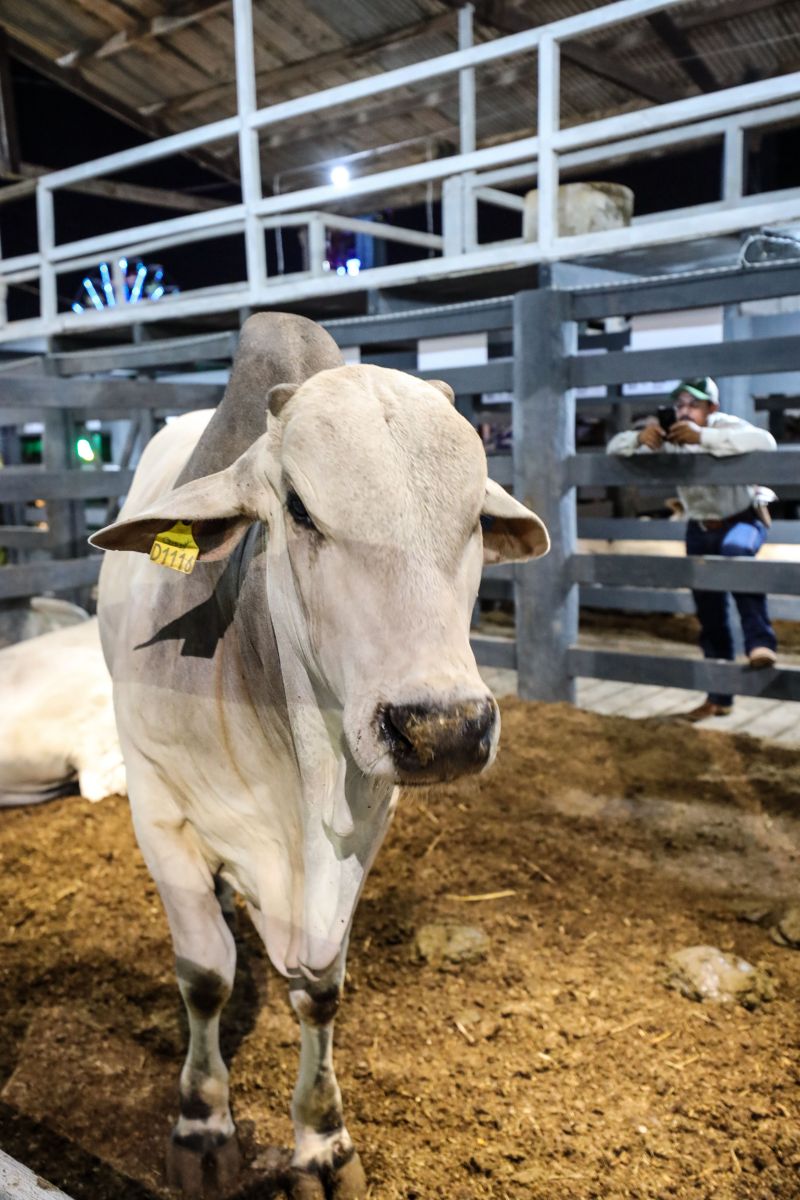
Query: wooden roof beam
(278, 77)
(130, 193)
(179, 17)
(223, 166)
(681, 49)
(501, 17)
(605, 66)
(727, 12)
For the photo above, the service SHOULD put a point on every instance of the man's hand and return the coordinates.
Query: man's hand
(652, 436)
(684, 433)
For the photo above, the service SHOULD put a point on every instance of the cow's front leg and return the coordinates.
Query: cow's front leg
(325, 1165)
(204, 1137)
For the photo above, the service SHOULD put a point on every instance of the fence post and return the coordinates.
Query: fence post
(546, 601)
(316, 244)
(45, 221)
(249, 154)
(733, 164)
(466, 83)
(548, 121)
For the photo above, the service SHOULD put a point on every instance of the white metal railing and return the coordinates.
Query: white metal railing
(468, 177)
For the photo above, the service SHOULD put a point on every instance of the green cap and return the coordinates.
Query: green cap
(702, 389)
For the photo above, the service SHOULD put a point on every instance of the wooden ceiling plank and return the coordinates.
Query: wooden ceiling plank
(728, 12)
(605, 66)
(682, 51)
(503, 19)
(130, 193)
(220, 165)
(144, 30)
(310, 131)
(279, 77)
(27, 175)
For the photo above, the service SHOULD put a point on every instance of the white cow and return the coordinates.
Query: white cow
(57, 719)
(270, 702)
(29, 618)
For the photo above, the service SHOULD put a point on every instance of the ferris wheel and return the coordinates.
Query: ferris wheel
(122, 283)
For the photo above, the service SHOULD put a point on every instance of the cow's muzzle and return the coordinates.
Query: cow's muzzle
(430, 744)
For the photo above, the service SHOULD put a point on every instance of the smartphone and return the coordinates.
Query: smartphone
(666, 416)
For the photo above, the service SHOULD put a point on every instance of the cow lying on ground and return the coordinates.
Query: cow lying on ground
(30, 618)
(270, 702)
(58, 732)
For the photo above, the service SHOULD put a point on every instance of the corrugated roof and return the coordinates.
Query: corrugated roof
(169, 64)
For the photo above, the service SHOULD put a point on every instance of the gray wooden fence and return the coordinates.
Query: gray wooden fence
(547, 472)
(55, 557)
(534, 340)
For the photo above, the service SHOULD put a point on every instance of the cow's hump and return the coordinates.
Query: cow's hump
(273, 348)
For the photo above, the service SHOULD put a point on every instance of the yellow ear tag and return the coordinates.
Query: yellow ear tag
(175, 548)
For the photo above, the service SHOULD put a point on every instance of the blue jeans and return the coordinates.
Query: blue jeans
(742, 540)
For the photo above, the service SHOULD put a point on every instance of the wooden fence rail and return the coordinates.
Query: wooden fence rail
(544, 330)
(548, 472)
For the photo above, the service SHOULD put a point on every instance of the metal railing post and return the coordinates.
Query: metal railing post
(548, 122)
(316, 244)
(249, 159)
(546, 600)
(733, 164)
(46, 227)
(466, 83)
(3, 294)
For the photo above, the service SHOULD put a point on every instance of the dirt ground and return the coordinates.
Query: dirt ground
(558, 1068)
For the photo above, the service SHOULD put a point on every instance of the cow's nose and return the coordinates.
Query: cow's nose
(429, 743)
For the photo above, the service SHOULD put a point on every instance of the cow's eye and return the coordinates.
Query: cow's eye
(298, 511)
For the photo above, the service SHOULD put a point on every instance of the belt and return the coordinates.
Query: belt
(747, 514)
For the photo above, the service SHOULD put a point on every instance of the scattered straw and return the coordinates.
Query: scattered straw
(477, 897)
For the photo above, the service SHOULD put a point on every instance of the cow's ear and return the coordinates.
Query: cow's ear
(444, 388)
(214, 506)
(279, 395)
(511, 532)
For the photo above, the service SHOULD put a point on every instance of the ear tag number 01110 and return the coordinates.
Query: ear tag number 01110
(175, 548)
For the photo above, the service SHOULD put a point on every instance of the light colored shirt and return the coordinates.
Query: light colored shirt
(722, 436)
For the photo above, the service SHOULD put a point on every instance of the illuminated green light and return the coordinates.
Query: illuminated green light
(83, 448)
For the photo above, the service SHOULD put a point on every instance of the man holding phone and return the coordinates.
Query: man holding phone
(726, 519)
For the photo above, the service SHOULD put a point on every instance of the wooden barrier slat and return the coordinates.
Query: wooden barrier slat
(659, 470)
(166, 352)
(713, 574)
(494, 652)
(110, 394)
(774, 683)
(658, 600)
(720, 359)
(497, 375)
(635, 529)
(634, 297)
(23, 484)
(24, 537)
(473, 316)
(501, 469)
(55, 575)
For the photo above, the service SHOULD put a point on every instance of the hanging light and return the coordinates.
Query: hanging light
(340, 176)
(83, 448)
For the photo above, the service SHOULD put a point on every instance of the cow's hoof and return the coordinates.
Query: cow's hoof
(194, 1169)
(347, 1182)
